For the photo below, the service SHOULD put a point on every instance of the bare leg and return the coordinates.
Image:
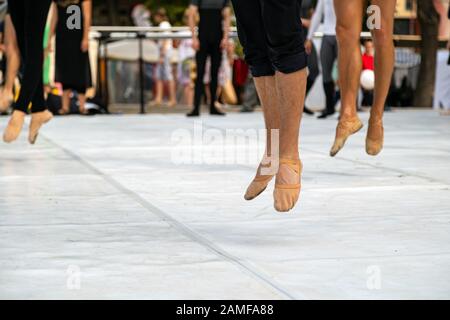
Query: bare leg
(207, 94)
(66, 102)
(291, 91)
(266, 88)
(159, 88)
(384, 65)
(172, 94)
(13, 58)
(349, 15)
(82, 102)
(188, 95)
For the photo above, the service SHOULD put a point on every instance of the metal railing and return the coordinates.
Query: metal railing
(109, 34)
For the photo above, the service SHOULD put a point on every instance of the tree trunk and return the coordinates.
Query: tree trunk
(429, 26)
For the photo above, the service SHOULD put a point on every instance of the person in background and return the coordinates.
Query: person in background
(213, 31)
(225, 76)
(368, 63)
(251, 99)
(72, 67)
(141, 16)
(349, 15)
(12, 53)
(163, 71)
(313, 63)
(186, 66)
(328, 50)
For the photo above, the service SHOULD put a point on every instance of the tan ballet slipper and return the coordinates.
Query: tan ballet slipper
(286, 195)
(38, 119)
(375, 137)
(14, 127)
(345, 128)
(259, 183)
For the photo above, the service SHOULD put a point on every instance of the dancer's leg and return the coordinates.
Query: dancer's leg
(252, 36)
(267, 92)
(17, 14)
(13, 64)
(287, 53)
(39, 113)
(384, 65)
(349, 15)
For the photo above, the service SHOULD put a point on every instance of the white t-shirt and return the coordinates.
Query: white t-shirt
(325, 9)
(165, 25)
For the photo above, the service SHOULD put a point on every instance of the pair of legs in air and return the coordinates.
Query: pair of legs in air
(271, 34)
(29, 18)
(13, 63)
(349, 15)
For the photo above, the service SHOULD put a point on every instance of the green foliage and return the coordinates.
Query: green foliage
(175, 9)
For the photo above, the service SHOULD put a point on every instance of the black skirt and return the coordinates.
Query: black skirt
(72, 67)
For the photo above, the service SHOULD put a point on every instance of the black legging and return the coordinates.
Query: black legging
(210, 35)
(29, 18)
(212, 50)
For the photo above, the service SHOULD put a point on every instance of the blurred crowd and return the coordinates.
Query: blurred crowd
(206, 67)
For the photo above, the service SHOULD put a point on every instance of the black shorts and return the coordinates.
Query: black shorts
(272, 35)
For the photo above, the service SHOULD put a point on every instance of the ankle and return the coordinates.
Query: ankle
(376, 119)
(348, 116)
(293, 155)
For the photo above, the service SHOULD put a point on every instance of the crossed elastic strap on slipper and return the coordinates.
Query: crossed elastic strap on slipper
(286, 195)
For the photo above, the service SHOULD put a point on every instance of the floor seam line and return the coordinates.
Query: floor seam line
(183, 228)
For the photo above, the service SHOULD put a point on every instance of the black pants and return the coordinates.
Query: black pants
(211, 48)
(29, 18)
(272, 35)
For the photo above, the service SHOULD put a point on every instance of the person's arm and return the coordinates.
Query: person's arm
(226, 26)
(53, 23)
(306, 23)
(316, 18)
(192, 18)
(87, 23)
(315, 23)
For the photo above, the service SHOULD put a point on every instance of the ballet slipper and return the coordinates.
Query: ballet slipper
(375, 137)
(345, 128)
(38, 119)
(6, 99)
(259, 183)
(14, 127)
(286, 195)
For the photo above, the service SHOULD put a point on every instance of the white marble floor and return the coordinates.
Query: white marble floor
(102, 208)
